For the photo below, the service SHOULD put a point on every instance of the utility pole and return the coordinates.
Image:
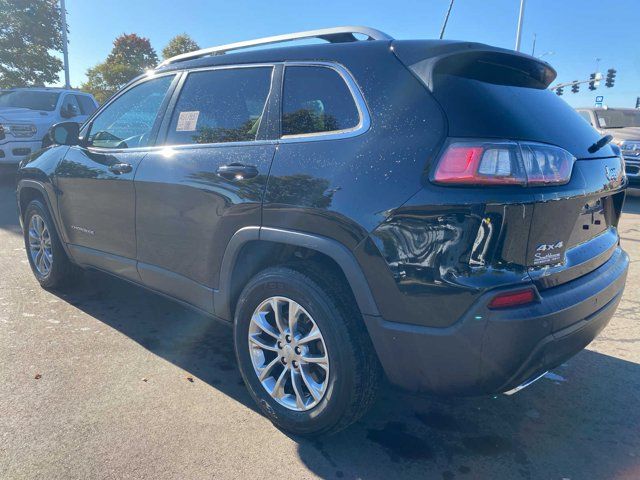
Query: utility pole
(446, 19)
(519, 31)
(65, 52)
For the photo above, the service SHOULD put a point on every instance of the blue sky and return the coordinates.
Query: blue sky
(577, 31)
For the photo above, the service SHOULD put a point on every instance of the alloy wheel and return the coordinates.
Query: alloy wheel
(40, 245)
(288, 353)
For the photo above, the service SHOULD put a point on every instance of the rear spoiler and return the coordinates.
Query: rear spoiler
(429, 58)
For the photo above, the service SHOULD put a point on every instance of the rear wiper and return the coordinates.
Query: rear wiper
(600, 143)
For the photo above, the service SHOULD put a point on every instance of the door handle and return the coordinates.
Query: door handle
(120, 168)
(237, 171)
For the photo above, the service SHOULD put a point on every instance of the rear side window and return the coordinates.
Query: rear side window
(316, 100)
(217, 106)
(87, 107)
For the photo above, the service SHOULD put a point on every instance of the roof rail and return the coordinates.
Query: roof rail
(332, 35)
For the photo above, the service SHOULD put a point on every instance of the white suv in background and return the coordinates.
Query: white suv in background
(26, 114)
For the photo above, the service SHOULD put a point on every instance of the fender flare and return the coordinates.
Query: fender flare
(327, 246)
(36, 185)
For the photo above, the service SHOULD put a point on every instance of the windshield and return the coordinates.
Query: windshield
(617, 118)
(31, 100)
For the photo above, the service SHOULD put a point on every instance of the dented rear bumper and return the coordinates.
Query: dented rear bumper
(491, 351)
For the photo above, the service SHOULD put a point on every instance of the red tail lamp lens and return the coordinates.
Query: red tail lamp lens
(513, 299)
(459, 163)
(504, 162)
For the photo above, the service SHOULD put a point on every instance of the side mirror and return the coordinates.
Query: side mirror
(65, 133)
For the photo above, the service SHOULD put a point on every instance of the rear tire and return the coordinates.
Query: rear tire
(47, 258)
(352, 374)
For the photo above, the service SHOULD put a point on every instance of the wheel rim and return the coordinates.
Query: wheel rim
(40, 245)
(288, 353)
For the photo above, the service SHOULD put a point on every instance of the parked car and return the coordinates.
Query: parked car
(624, 125)
(26, 114)
(423, 208)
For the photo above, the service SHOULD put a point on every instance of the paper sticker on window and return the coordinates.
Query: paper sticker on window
(602, 122)
(187, 121)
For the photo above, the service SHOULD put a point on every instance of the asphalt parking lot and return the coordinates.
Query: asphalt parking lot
(109, 381)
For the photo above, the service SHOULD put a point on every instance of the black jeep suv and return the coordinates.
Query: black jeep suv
(426, 209)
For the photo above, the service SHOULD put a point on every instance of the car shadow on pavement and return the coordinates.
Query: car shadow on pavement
(198, 344)
(581, 423)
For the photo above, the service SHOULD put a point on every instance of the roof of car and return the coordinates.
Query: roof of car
(329, 51)
(343, 43)
(317, 52)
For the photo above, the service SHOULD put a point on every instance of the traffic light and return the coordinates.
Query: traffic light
(559, 91)
(592, 81)
(611, 78)
(637, 102)
(575, 88)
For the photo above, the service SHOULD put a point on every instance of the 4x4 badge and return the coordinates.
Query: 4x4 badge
(545, 247)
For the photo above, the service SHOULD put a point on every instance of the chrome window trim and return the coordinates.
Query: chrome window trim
(184, 146)
(364, 119)
(362, 127)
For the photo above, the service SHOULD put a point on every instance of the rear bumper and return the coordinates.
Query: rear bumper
(491, 351)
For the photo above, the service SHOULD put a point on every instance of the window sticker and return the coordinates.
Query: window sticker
(187, 121)
(602, 122)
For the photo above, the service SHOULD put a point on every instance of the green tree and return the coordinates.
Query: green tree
(179, 44)
(30, 30)
(131, 55)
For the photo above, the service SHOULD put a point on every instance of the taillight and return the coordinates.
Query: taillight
(513, 299)
(504, 163)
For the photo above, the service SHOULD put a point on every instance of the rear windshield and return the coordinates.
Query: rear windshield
(618, 118)
(477, 108)
(32, 100)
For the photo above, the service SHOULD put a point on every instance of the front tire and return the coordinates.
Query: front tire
(47, 258)
(303, 351)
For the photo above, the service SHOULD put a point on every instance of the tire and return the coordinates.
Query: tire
(60, 271)
(352, 376)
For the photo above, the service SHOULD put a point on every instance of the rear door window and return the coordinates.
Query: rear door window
(316, 100)
(221, 105)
